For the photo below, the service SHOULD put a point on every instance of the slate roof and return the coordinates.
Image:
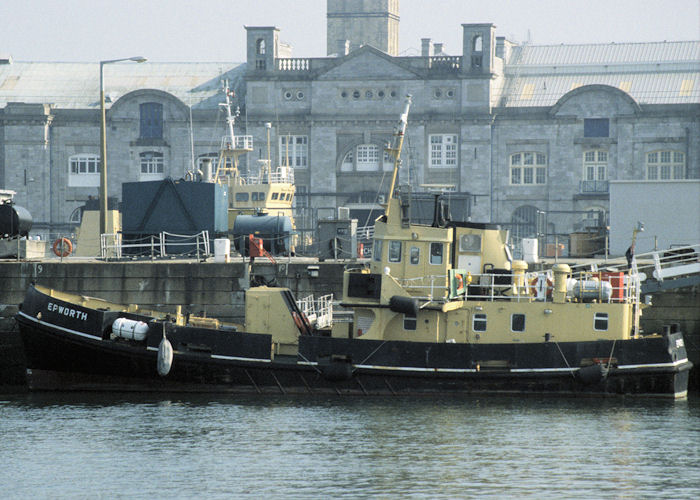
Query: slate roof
(652, 73)
(77, 85)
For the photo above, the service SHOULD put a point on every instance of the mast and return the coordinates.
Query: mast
(395, 148)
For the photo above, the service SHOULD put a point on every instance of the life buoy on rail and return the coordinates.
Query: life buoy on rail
(62, 247)
(546, 283)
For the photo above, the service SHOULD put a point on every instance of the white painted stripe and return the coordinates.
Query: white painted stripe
(221, 356)
(63, 329)
(654, 365)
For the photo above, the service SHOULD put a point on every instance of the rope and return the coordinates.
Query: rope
(565, 360)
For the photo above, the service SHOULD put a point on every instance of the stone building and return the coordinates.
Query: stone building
(524, 135)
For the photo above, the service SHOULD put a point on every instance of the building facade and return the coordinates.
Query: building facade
(523, 135)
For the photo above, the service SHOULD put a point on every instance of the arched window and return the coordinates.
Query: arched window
(524, 222)
(477, 43)
(665, 165)
(527, 168)
(348, 162)
(260, 46)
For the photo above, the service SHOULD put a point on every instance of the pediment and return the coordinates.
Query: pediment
(366, 63)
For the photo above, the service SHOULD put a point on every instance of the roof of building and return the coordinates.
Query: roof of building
(651, 73)
(77, 85)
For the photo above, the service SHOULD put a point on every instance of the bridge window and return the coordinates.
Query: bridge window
(394, 251)
(377, 250)
(436, 253)
(415, 255)
(527, 168)
(665, 165)
(479, 323)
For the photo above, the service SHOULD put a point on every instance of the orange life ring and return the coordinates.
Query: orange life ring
(533, 286)
(62, 247)
(460, 283)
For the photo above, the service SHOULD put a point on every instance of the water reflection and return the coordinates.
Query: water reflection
(136, 445)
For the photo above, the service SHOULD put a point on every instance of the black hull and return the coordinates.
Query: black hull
(67, 352)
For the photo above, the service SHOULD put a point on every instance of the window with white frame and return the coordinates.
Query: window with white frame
(665, 165)
(84, 170)
(367, 157)
(527, 168)
(443, 151)
(152, 165)
(595, 165)
(294, 151)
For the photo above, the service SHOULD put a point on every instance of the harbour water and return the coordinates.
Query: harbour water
(99, 445)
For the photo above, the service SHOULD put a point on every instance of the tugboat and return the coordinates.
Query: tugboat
(441, 308)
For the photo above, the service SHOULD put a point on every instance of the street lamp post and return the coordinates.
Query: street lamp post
(103, 141)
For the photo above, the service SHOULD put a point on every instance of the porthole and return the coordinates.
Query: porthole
(393, 93)
(356, 94)
(344, 94)
(368, 94)
(300, 95)
(438, 93)
(380, 94)
(450, 93)
(288, 94)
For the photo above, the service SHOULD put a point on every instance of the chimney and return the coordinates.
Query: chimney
(437, 48)
(426, 47)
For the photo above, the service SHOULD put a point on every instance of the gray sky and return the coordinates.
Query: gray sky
(212, 30)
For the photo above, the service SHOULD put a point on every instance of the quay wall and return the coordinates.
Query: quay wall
(215, 288)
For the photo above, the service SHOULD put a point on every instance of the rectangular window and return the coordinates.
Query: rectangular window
(151, 163)
(596, 127)
(479, 323)
(517, 322)
(415, 255)
(600, 322)
(394, 251)
(241, 196)
(665, 165)
(294, 151)
(367, 157)
(151, 120)
(84, 170)
(377, 251)
(409, 322)
(528, 168)
(443, 151)
(436, 253)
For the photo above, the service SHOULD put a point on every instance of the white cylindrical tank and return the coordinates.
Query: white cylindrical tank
(129, 329)
(593, 290)
(222, 249)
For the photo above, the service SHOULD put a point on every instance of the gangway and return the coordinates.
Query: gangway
(658, 270)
